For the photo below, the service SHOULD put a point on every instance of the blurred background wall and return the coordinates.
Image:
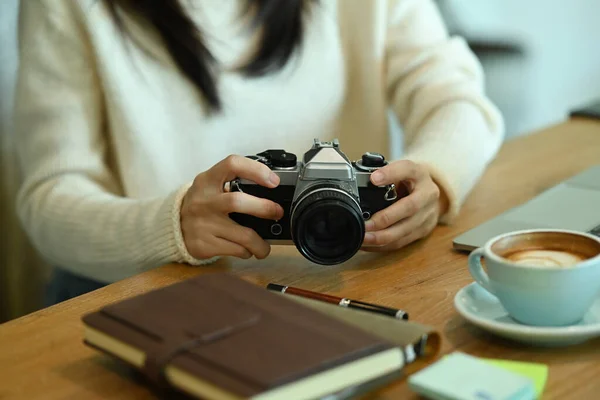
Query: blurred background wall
(541, 58)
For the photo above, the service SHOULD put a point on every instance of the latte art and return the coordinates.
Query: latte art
(545, 258)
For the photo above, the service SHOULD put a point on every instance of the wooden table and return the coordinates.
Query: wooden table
(42, 356)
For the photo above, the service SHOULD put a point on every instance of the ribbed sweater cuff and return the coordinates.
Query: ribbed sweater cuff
(174, 247)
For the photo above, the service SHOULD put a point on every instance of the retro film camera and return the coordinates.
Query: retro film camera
(325, 197)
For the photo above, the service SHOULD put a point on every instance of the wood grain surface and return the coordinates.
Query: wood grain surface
(42, 355)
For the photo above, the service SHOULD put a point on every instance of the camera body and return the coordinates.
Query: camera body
(325, 197)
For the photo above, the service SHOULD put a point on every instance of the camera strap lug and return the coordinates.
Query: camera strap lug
(391, 193)
(235, 186)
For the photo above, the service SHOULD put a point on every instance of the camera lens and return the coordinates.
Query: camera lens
(327, 226)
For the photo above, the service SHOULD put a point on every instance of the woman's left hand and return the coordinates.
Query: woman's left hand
(412, 217)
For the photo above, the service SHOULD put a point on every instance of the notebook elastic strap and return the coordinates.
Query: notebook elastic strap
(158, 360)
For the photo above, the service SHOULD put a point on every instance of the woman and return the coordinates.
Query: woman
(131, 115)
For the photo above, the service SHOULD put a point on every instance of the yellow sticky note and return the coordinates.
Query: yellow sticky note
(538, 373)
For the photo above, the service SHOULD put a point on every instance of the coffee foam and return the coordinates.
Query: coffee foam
(545, 258)
(546, 249)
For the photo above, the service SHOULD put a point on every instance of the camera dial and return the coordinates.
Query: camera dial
(279, 159)
(370, 162)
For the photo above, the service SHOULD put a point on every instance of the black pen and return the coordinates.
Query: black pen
(341, 301)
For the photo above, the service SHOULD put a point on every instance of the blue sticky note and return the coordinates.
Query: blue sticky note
(459, 376)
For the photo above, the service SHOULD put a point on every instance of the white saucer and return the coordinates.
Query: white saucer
(483, 309)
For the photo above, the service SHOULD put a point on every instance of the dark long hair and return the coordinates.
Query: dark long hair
(280, 23)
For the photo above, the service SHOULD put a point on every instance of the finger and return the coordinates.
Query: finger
(401, 241)
(235, 166)
(395, 232)
(226, 248)
(244, 203)
(244, 236)
(402, 209)
(398, 171)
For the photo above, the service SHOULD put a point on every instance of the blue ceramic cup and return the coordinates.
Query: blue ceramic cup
(542, 277)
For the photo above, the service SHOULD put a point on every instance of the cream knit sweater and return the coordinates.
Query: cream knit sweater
(109, 138)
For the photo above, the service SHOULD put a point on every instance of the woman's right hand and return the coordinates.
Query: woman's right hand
(207, 229)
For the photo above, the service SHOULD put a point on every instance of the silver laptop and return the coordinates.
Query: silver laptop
(573, 204)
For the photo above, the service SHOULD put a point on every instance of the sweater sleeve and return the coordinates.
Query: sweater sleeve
(435, 85)
(71, 203)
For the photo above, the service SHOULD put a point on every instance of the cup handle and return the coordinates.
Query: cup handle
(476, 270)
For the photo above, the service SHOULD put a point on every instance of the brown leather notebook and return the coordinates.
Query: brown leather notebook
(219, 337)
